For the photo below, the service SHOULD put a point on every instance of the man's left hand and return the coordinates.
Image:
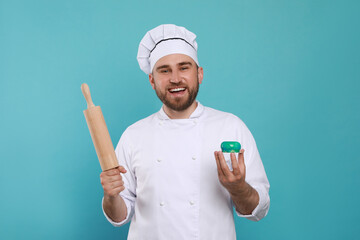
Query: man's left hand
(233, 181)
(245, 197)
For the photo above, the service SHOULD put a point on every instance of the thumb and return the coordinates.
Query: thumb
(241, 161)
(122, 169)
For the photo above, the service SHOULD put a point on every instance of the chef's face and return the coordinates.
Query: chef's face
(175, 79)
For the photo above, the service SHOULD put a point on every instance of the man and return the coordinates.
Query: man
(170, 183)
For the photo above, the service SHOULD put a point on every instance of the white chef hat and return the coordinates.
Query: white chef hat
(164, 40)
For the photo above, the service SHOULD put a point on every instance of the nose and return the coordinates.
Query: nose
(175, 77)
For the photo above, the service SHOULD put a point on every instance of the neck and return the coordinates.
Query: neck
(172, 114)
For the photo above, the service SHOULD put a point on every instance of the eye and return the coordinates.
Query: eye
(183, 68)
(164, 71)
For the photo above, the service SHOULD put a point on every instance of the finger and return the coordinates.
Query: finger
(111, 172)
(241, 161)
(115, 171)
(116, 184)
(119, 189)
(220, 172)
(115, 191)
(110, 186)
(105, 179)
(235, 164)
(115, 178)
(223, 164)
(122, 169)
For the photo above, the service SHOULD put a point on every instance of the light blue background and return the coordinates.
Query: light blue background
(290, 67)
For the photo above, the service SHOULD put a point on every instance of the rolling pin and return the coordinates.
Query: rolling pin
(99, 132)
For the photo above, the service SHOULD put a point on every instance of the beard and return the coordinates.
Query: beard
(181, 103)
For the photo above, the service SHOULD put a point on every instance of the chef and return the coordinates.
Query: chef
(172, 183)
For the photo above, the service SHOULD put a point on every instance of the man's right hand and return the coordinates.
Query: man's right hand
(112, 182)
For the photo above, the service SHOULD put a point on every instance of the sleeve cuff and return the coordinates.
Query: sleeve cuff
(261, 209)
(117, 224)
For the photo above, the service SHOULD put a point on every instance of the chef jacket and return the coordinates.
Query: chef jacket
(172, 190)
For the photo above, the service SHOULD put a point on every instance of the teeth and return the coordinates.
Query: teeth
(177, 89)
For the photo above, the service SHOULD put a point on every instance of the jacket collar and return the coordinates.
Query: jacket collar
(196, 114)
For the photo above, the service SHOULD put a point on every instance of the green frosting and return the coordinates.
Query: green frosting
(230, 147)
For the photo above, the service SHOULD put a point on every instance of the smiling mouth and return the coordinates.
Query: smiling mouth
(177, 90)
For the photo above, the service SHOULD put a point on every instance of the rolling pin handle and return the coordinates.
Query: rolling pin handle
(86, 91)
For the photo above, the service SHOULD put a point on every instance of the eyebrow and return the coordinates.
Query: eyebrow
(184, 63)
(179, 64)
(162, 66)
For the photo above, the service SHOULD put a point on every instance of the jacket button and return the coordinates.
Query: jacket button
(162, 204)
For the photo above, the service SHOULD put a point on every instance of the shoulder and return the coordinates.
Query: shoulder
(142, 125)
(231, 124)
(226, 117)
(136, 131)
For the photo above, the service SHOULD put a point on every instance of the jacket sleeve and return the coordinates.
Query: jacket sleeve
(124, 156)
(255, 174)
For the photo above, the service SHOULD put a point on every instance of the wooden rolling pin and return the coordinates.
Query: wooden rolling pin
(99, 132)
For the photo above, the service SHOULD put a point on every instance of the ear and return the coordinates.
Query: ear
(152, 81)
(200, 74)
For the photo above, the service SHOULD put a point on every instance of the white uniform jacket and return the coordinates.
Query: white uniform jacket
(172, 189)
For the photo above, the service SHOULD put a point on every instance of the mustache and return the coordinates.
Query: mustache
(176, 85)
